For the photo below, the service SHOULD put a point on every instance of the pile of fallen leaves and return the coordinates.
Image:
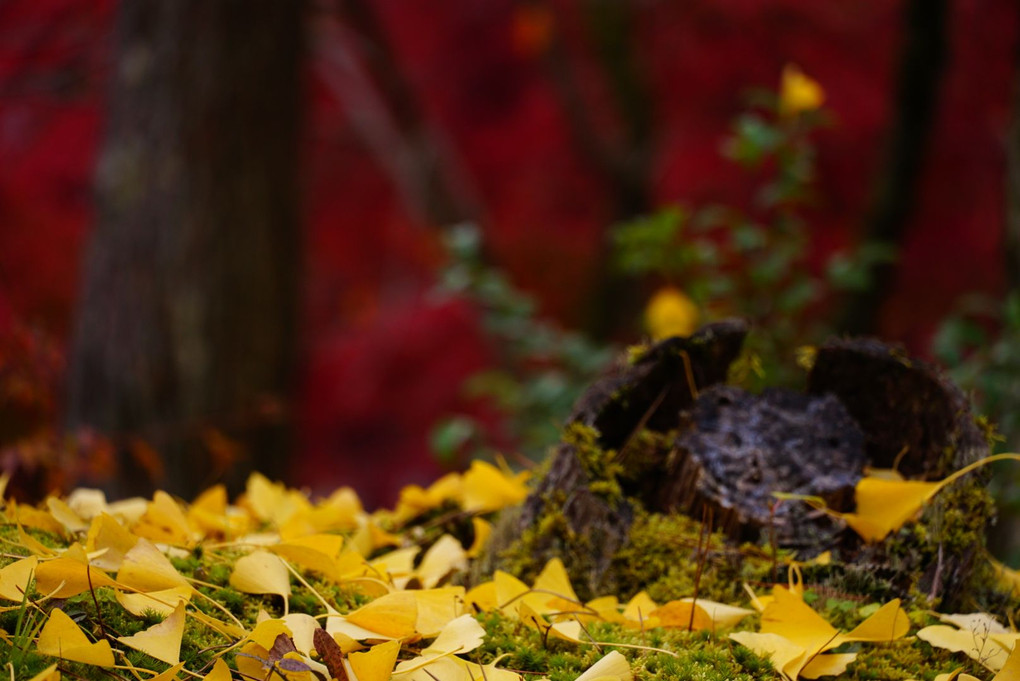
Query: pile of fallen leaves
(382, 594)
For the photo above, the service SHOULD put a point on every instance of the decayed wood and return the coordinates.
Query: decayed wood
(728, 451)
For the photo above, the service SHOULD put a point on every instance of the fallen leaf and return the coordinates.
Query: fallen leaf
(51, 673)
(162, 602)
(261, 572)
(612, 666)
(106, 534)
(61, 637)
(442, 558)
(331, 654)
(146, 568)
(16, 577)
(376, 663)
(393, 615)
(219, 672)
(162, 641)
(69, 575)
(461, 635)
(486, 488)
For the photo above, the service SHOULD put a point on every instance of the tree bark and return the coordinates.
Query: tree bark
(186, 323)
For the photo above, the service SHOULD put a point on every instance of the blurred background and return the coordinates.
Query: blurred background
(356, 243)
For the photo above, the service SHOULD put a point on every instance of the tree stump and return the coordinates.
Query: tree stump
(665, 435)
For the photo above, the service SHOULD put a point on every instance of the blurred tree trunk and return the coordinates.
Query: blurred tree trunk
(185, 336)
(922, 62)
(1013, 185)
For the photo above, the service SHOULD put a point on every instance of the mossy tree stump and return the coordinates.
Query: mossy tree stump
(662, 436)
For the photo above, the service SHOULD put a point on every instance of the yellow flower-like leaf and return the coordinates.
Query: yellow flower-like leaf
(65, 515)
(832, 664)
(162, 641)
(982, 646)
(612, 666)
(106, 534)
(162, 602)
(459, 636)
(442, 558)
(509, 591)
(700, 615)
(437, 608)
(798, 92)
(888, 623)
(69, 575)
(261, 572)
(393, 615)
(487, 488)
(51, 673)
(145, 568)
(639, 609)
(483, 597)
(376, 663)
(482, 531)
(787, 657)
(15, 578)
(671, 312)
(164, 522)
(61, 637)
(317, 552)
(219, 672)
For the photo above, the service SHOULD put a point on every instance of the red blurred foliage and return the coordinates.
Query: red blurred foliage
(383, 362)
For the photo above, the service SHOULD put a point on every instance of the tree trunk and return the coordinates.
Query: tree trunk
(923, 59)
(185, 332)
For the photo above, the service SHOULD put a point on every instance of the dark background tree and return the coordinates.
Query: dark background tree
(184, 347)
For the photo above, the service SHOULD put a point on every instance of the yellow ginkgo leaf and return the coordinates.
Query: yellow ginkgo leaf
(34, 546)
(605, 608)
(482, 531)
(482, 598)
(1010, 670)
(261, 572)
(164, 522)
(61, 637)
(318, 553)
(145, 568)
(888, 623)
(437, 608)
(982, 648)
(612, 666)
(267, 629)
(509, 591)
(793, 619)
(393, 615)
(442, 558)
(51, 673)
(638, 610)
(65, 515)
(786, 657)
(69, 575)
(252, 661)
(682, 614)
(886, 505)
(398, 565)
(671, 312)
(832, 664)
(552, 591)
(27, 516)
(302, 631)
(15, 578)
(376, 663)
(459, 636)
(699, 615)
(106, 534)
(162, 641)
(162, 602)
(487, 488)
(219, 672)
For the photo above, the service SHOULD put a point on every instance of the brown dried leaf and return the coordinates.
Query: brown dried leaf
(330, 653)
